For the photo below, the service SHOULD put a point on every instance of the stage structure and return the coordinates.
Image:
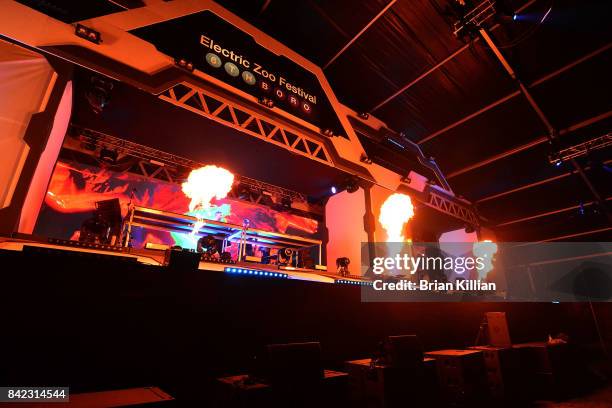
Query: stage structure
(200, 58)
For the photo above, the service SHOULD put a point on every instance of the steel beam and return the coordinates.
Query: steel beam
(547, 213)
(579, 234)
(360, 33)
(529, 185)
(529, 145)
(535, 83)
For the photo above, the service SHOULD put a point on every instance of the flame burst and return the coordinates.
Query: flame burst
(203, 185)
(394, 213)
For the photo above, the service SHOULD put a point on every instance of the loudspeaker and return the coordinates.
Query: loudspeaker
(182, 260)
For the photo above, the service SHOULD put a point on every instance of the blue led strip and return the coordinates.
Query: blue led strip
(353, 282)
(255, 272)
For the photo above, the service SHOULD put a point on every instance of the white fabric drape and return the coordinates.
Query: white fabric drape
(26, 80)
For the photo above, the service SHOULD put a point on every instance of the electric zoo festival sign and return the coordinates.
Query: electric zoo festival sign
(221, 50)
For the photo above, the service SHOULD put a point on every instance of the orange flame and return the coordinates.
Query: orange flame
(203, 185)
(206, 183)
(394, 213)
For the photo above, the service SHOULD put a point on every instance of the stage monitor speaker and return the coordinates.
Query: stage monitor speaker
(182, 260)
(499, 335)
(404, 352)
(294, 363)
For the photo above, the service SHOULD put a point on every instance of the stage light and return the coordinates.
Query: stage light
(184, 64)
(327, 132)
(365, 159)
(515, 17)
(334, 190)
(286, 202)
(109, 156)
(342, 265)
(98, 94)
(88, 34)
(241, 271)
(364, 115)
(267, 102)
(284, 256)
(352, 185)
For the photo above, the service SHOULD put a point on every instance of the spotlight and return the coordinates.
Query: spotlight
(244, 194)
(267, 102)
(364, 115)
(555, 158)
(109, 156)
(286, 202)
(226, 257)
(515, 17)
(284, 256)
(405, 179)
(98, 94)
(342, 265)
(352, 185)
(184, 64)
(327, 132)
(334, 190)
(208, 244)
(365, 159)
(88, 34)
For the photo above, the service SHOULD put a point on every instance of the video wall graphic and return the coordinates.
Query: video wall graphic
(74, 189)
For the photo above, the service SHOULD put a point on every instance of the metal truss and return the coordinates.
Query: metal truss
(204, 103)
(156, 164)
(260, 187)
(447, 206)
(581, 149)
(476, 17)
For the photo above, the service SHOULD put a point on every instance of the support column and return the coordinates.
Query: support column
(33, 87)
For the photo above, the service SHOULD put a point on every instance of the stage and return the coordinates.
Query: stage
(156, 258)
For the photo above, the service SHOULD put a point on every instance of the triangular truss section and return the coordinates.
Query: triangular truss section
(203, 103)
(452, 208)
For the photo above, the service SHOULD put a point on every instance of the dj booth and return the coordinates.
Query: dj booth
(229, 233)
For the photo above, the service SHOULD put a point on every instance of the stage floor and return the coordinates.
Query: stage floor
(156, 258)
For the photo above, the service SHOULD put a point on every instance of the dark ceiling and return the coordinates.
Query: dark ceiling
(454, 97)
(399, 60)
